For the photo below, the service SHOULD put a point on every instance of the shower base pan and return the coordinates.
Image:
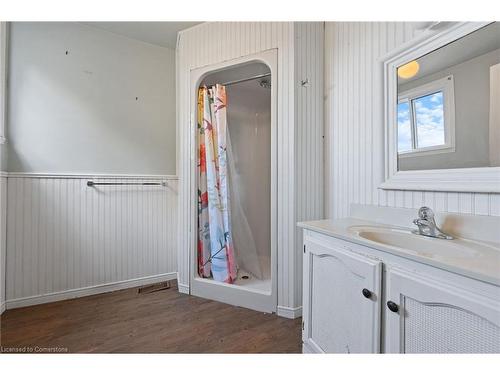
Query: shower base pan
(247, 291)
(248, 281)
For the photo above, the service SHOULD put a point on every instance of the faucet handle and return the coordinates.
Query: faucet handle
(425, 213)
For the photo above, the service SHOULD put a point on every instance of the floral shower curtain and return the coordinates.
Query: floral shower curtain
(215, 244)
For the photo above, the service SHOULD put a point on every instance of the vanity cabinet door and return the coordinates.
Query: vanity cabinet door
(341, 307)
(425, 315)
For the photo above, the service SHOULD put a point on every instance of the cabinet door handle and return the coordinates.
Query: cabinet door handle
(392, 306)
(366, 293)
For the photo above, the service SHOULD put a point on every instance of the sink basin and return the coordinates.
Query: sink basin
(428, 247)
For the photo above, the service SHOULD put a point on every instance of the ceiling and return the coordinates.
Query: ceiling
(160, 33)
(475, 44)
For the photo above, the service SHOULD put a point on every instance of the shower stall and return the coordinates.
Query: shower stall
(233, 255)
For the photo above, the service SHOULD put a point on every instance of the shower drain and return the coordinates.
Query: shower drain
(245, 277)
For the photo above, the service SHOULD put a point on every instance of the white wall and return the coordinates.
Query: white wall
(354, 125)
(299, 111)
(78, 113)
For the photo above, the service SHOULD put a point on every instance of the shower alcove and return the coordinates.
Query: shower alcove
(250, 85)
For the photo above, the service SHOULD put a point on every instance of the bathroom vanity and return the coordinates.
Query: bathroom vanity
(373, 286)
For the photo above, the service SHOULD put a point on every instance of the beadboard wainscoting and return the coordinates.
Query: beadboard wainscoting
(354, 147)
(66, 239)
(309, 128)
(299, 132)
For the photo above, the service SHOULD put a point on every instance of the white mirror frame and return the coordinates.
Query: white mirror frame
(483, 180)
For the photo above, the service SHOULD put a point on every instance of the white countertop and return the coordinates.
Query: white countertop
(485, 266)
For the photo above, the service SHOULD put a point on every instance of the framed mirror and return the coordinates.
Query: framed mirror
(442, 110)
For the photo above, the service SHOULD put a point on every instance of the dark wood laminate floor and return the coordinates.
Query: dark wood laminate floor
(160, 322)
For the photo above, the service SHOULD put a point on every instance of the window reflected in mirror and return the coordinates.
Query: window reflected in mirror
(429, 120)
(422, 126)
(449, 104)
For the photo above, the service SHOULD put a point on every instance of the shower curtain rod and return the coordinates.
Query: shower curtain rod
(246, 79)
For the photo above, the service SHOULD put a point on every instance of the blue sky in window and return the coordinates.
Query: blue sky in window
(429, 117)
(404, 127)
(430, 120)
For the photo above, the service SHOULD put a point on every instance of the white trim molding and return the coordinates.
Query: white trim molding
(182, 288)
(87, 291)
(289, 312)
(88, 175)
(482, 180)
(478, 180)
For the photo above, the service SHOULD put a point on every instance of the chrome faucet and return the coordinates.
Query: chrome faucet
(427, 225)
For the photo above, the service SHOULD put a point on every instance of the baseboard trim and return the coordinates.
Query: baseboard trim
(289, 312)
(87, 291)
(183, 288)
(2, 307)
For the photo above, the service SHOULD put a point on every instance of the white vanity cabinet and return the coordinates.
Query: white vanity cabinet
(432, 316)
(341, 307)
(357, 299)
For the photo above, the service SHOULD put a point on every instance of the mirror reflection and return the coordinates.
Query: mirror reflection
(448, 110)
